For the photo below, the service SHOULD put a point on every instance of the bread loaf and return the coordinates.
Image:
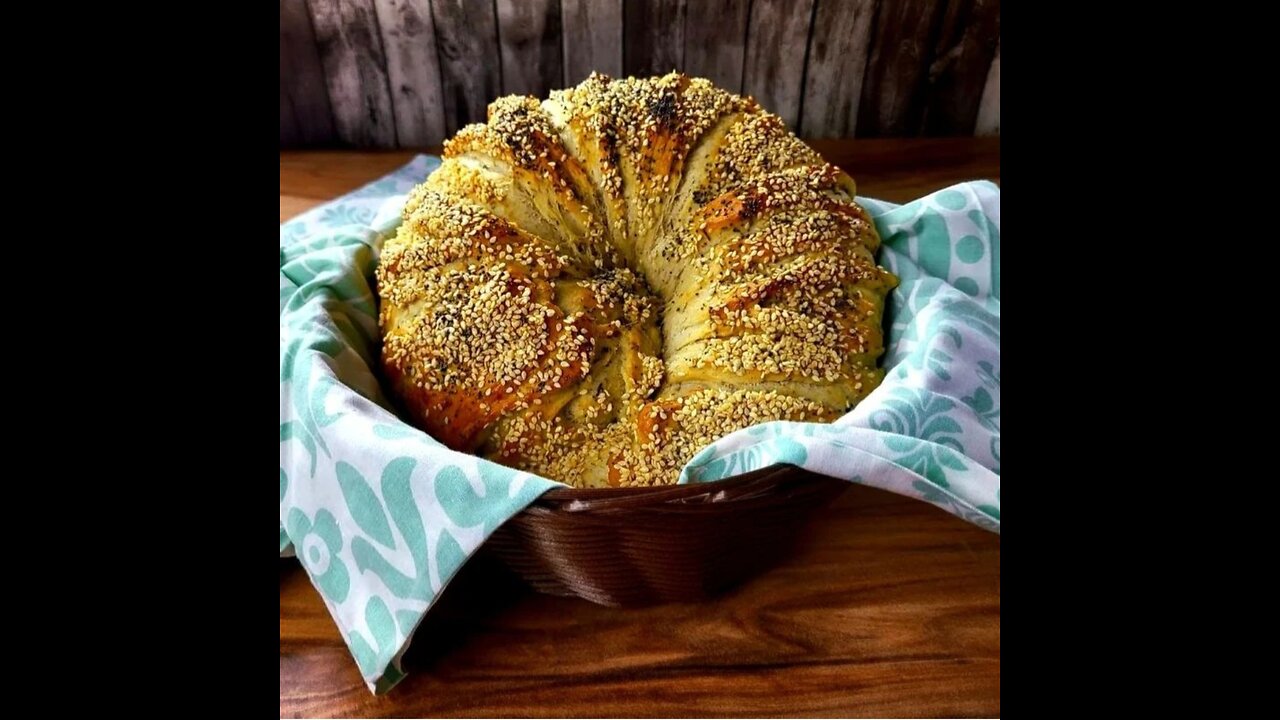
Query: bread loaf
(594, 286)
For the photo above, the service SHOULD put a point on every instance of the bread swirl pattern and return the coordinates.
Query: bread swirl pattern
(595, 286)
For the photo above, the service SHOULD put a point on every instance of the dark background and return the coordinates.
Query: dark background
(409, 73)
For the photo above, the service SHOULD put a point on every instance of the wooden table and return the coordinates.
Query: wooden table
(890, 607)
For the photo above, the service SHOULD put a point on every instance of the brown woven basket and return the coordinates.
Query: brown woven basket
(640, 546)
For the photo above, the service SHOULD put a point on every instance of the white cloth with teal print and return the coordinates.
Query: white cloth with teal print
(382, 516)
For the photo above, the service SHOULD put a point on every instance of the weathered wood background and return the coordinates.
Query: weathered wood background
(408, 73)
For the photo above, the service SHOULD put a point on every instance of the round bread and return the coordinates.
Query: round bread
(595, 286)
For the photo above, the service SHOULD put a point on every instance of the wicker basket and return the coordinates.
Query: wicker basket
(640, 546)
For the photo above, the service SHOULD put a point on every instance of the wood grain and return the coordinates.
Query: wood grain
(894, 169)
(838, 51)
(311, 177)
(715, 38)
(409, 73)
(774, 70)
(591, 32)
(355, 71)
(988, 122)
(470, 69)
(901, 170)
(889, 608)
(962, 55)
(897, 70)
(654, 40)
(413, 70)
(305, 118)
(529, 36)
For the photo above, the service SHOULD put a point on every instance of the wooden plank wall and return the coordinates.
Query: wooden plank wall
(409, 73)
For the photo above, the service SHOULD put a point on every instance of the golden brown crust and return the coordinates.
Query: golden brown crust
(595, 286)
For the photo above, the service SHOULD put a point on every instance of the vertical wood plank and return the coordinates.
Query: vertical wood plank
(988, 122)
(591, 31)
(470, 69)
(776, 42)
(529, 33)
(715, 40)
(355, 71)
(290, 135)
(838, 51)
(901, 50)
(413, 71)
(962, 54)
(654, 43)
(305, 118)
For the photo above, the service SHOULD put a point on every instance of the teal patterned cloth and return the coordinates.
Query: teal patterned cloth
(382, 516)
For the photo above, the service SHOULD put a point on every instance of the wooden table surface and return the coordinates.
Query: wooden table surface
(889, 607)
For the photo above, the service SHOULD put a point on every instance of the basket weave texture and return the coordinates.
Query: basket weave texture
(641, 546)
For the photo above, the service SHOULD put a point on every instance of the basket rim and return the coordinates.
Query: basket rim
(563, 498)
(675, 491)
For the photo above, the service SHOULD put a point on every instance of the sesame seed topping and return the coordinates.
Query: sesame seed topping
(595, 286)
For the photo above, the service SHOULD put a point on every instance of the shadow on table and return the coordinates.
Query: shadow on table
(482, 590)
